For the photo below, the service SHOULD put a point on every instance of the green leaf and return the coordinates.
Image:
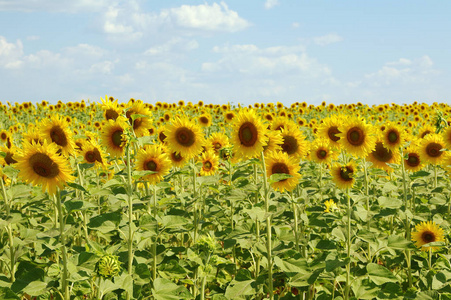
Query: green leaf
(10, 172)
(237, 289)
(174, 221)
(164, 289)
(35, 288)
(72, 205)
(380, 274)
(7, 294)
(279, 177)
(291, 265)
(399, 242)
(387, 202)
(77, 187)
(136, 116)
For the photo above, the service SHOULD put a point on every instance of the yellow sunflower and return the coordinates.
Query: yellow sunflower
(281, 163)
(322, 152)
(111, 109)
(382, 155)
(32, 135)
(431, 149)
(210, 163)
(218, 141)
(412, 161)
(41, 165)
(161, 134)
(330, 205)
(9, 157)
(248, 134)
(4, 135)
(280, 123)
(140, 125)
(275, 141)
(93, 154)
(393, 136)
(427, 232)
(294, 143)
(152, 158)
(425, 130)
(446, 134)
(57, 130)
(329, 129)
(344, 175)
(177, 159)
(357, 137)
(204, 120)
(185, 137)
(113, 137)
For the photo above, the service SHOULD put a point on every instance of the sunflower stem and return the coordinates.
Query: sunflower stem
(407, 224)
(268, 228)
(130, 214)
(62, 238)
(367, 194)
(257, 226)
(435, 176)
(348, 246)
(82, 196)
(10, 235)
(295, 225)
(154, 246)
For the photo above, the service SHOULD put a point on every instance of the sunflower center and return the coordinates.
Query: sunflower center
(9, 158)
(43, 165)
(413, 160)
(111, 114)
(58, 136)
(280, 168)
(346, 173)
(381, 153)
(393, 137)
(207, 165)
(321, 154)
(90, 157)
(185, 136)
(425, 133)
(4, 136)
(428, 237)
(151, 165)
(217, 145)
(433, 149)
(203, 120)
(355, 136)
(116, 138)
(248, 134)
(332, 133)
(290, 144)
(161, 137)
(176, 157)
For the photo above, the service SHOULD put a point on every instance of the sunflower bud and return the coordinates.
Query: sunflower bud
(108, 266)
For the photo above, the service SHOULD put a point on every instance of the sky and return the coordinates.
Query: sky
(230, 51)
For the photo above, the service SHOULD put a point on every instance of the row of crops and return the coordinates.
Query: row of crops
(110, 200)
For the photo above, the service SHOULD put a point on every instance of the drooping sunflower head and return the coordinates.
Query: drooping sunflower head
(344, 175)
(393, 136)
(357, 137)
(431, 149)
(281, 163)
(185, 137)
(113, 136)
(140, 124)
(56, 130)
(42, 165)
(248, 134)
(153, 158)
(321, 151)
(210, 163)
(382, 155)
(294, 143)
(427, 232)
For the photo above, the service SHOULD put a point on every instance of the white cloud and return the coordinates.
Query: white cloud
(66, 6)
(327, 39)
(175, 44)
(271, 3)
(10, 54)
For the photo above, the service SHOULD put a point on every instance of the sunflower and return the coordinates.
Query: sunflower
(344, 175)
(185, 137)
(142, 124)
(393, 136)
(177, 159)
(281, 163)
(275, 140)
(329, 129)
(425, 130)
(357, 137)
(218, 141)
(321, 151)
(9, 153)
(382, 155)
(152, 158)
(113, 137)
(330, 205)
(446, 134)
(294, 143)
(161, 134)
(93, 154)
(204, 120)
(32, 135)
(248, 134)
(427, 232)
(4, 135)
(57, 130)
(280, 123)
(210, 163)
(229, 116)
(111, 109)
(431, 148)
(41, 165)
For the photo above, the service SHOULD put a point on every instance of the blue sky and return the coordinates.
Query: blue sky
(226, 51)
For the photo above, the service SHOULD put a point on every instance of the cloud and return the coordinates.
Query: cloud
(327, 39)
(176, 44)
(271, 3)
(10, 54)
(65, 6)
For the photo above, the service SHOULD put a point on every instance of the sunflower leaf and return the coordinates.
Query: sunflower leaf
(380, 274)
(279, 177)
(136, 116)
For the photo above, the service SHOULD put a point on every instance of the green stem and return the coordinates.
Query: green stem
(130, 215)
(295, 225)
(348, 247)
(268, 228)
(435, 176)
(154, 246)
(5, 198)
(407, 222)
(62, 238)
(9, 230)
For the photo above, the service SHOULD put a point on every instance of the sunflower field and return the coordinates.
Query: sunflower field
(110, 200)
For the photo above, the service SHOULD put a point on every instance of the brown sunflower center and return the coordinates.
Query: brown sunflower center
(332, 133)
(58, 136)
(248, 134)
(116, 137)
(176, 156)
(207, 165)
(43, 165)
(433, 149)
(321, 153)
(425, 133)
(185, 136)
(9, 158)
(150, 165)
(229, 116)
(346, 173)
(355, 136)
(111, 114)
(162, 137)
(413, 160)
(280, 168)
(93, 156)
(204, 120)
(393, 137)
(381, 153)
(217, 145)
(290, 144)
(4, 136)
(428, 237)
